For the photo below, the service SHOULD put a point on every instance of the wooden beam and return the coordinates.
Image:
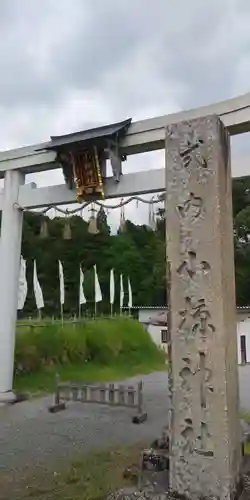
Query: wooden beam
(142, 136)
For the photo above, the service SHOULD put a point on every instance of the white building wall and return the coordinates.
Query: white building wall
(243, 328)
(155, 334)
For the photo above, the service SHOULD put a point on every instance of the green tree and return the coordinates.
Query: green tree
(138, 253)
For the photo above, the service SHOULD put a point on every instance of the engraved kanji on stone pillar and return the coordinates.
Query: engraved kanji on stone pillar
(205, 433)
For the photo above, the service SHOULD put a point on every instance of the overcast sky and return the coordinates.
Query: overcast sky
(68, 65)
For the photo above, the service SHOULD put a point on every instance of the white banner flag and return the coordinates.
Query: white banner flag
(82, 298)
(23, 287)
(112, 287)
(130, 299)
(61, 279)
(37, 289)
(121, 292)
(98, 292)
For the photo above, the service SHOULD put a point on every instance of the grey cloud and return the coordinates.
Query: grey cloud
(29, 32)
(105, 34)
(210, 50)
(49, 47)
(138, 58)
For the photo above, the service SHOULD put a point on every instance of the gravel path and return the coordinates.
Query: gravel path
(30, 435)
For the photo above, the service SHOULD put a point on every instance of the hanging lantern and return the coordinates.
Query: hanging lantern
(82, 213)
(151, 215)
(44, 232)
(122, 226)
(153, 219)
(92, 227)
(67, 234)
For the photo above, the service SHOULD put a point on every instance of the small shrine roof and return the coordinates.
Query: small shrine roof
(98, 133)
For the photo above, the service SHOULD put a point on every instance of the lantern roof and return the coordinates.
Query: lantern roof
(98, 136)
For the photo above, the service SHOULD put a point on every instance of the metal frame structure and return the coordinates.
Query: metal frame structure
(140, 137)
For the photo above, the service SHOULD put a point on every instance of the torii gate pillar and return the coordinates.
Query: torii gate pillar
(10, 250)
(205, 428)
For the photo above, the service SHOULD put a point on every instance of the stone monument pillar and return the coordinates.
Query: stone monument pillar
(205, 429)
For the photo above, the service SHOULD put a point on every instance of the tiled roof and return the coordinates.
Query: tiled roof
(97, 133)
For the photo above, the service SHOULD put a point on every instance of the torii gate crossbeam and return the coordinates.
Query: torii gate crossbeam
(142, 136)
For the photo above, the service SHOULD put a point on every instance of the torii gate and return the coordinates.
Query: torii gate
(196, 459)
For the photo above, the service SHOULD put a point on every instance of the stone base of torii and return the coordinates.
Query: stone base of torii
(205, 442)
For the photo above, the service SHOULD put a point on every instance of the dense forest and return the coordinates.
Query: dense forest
(137, 252)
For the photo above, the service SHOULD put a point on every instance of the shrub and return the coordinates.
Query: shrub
(104, 340)
(100, 341)
(27, 357)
